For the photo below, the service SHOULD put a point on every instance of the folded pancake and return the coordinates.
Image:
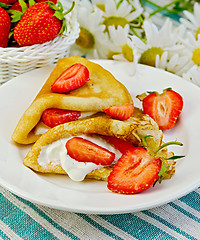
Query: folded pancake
(131, 130)
(102, 91)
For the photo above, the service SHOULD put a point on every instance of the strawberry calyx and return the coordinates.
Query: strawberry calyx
(16, 15)
(60, 14)
(164, 168)
(4, 5)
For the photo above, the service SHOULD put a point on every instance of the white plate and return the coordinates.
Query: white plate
(93, 196)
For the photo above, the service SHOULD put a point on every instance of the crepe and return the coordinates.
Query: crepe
(131, 130)
(102, 91)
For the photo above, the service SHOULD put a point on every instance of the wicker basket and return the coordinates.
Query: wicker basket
(14, 61)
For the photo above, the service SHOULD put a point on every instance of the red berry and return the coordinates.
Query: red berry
(83, 150)
(118, 143)
(53, 116)
(134, 172)
(4, 27)
(73, 77)
(37, 25)
(123, 112)
(164, 108)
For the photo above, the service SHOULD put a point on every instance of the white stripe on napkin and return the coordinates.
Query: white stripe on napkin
(120, 233)
(6, 230)
(33, 214)
(160, 225)
(178, 219)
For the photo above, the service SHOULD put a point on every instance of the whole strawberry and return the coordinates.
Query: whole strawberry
(39, 24)
(8, 2)
(4, 27)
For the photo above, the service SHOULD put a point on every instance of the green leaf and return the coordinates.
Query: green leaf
(164, 168)
(3, 5)
(144, 139)
(31, 3)
(23, 5)
(175, 157)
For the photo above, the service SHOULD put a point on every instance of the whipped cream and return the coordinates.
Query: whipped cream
(56, 153)
(41, 128)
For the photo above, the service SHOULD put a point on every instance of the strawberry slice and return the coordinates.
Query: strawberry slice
(72, 78)
(53, 116)
(122, 112)
(118, 143)
(164, 108)
(134, 172)
(83, 150)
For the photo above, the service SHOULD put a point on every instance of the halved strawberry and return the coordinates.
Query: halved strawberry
(83, 150)
(164, 108)
(134, 172)
(118, 143)
(122, 112)
(73, 77)
(53, 116)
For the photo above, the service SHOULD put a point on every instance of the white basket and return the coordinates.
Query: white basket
(17, 60)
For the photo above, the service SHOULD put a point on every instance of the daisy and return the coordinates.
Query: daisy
(120, 47)
(174, 64)
(121, 12)
(192, 23)
(91, 36)
(192, 51)
(157, 42)
(193, 75)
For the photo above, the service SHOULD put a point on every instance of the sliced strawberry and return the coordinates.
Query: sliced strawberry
(118, 143)
(73, 77)
(83, 150)
(164, 108)
(134, 172)
(122, 112)
(53, 116)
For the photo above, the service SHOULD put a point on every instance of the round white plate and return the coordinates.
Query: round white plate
(93, 196)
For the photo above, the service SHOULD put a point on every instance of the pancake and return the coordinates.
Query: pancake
(131, 130)
(102, 91)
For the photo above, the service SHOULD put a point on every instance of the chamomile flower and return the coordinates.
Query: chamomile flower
(121, 12)
(192, 21)
(193, 75)
(120, 47)
(192, 51)
(174, 64)
(157, 42)
(91, 36)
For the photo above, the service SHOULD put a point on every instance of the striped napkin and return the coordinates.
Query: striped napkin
(21, 219)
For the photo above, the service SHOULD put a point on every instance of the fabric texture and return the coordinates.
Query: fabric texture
(21, 219)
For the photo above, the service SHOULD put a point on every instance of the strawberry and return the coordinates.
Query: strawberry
(5, 25)
(164, 108)
(53, 116)
(73, 77)
(54, 1)
(118, 143)
(8, 2)
(122, 112)
(16, 6)
(40, 23)
(134, 172)
(83, 150)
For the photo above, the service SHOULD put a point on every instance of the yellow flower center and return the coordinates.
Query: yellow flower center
(85, 39)
(196, 56)
(115, 21)
(148, 57)
(111, 54)
(101, 7)
(127, 53)
(197, 33)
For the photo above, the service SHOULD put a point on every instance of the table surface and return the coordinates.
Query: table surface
(21, 219)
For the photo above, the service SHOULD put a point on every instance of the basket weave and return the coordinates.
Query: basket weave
(18, 60)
